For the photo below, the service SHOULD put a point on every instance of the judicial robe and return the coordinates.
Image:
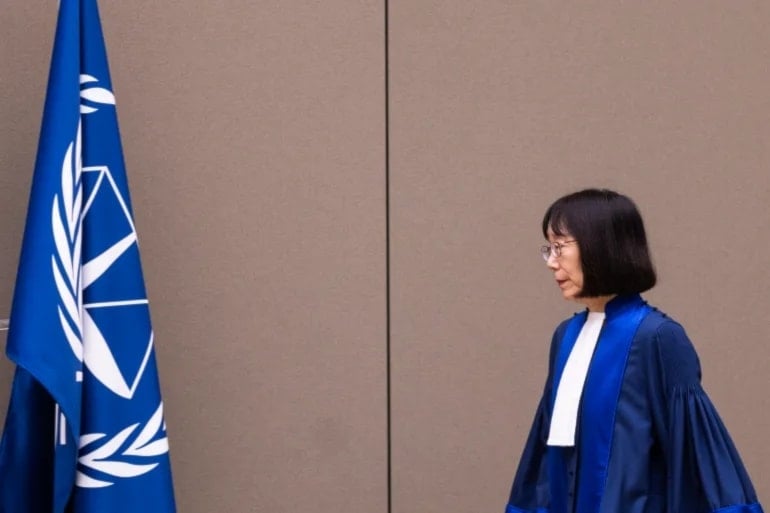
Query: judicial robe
(648, 438)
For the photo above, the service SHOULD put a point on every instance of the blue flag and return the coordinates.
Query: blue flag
(85, 430)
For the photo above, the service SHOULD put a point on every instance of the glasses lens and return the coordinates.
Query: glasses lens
(545, 252)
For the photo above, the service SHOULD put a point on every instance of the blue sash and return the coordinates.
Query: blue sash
(598, 403)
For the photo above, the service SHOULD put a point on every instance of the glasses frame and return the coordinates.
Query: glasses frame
(554, 248)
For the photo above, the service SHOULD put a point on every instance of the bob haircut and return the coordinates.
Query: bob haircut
(610, 234)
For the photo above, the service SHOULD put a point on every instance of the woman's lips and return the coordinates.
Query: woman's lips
(561, 283)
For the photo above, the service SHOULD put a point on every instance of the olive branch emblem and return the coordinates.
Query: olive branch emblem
(108, 459)
(67, 224)
(93, 94)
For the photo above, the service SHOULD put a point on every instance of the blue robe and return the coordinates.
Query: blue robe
(648, 438)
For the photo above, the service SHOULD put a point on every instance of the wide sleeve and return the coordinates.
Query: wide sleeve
(704, 471)
(530, 491)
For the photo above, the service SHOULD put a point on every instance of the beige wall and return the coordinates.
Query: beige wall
(255, 141)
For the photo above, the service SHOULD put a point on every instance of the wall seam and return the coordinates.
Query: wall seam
(387, 260)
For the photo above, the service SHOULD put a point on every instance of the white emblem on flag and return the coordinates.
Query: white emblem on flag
(104, 458)
(71, 280)
(66, 220)
(122, 454)
(93, 94)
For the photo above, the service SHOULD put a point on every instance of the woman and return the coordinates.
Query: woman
(624, 425)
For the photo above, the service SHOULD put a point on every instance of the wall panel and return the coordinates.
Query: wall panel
(254, 141)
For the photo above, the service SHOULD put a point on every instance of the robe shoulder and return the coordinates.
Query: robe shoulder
(665, 346)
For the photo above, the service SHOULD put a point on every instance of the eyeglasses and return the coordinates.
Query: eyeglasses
(554, 248)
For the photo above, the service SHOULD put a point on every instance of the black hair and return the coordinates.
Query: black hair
(610, 234)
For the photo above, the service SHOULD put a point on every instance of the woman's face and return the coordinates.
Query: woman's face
(566, 268)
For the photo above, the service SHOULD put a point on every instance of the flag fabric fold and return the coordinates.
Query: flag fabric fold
(85, 430)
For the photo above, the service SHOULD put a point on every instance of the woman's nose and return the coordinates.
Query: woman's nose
(552, 262)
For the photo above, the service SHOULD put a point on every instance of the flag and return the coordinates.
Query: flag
(85, 430)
